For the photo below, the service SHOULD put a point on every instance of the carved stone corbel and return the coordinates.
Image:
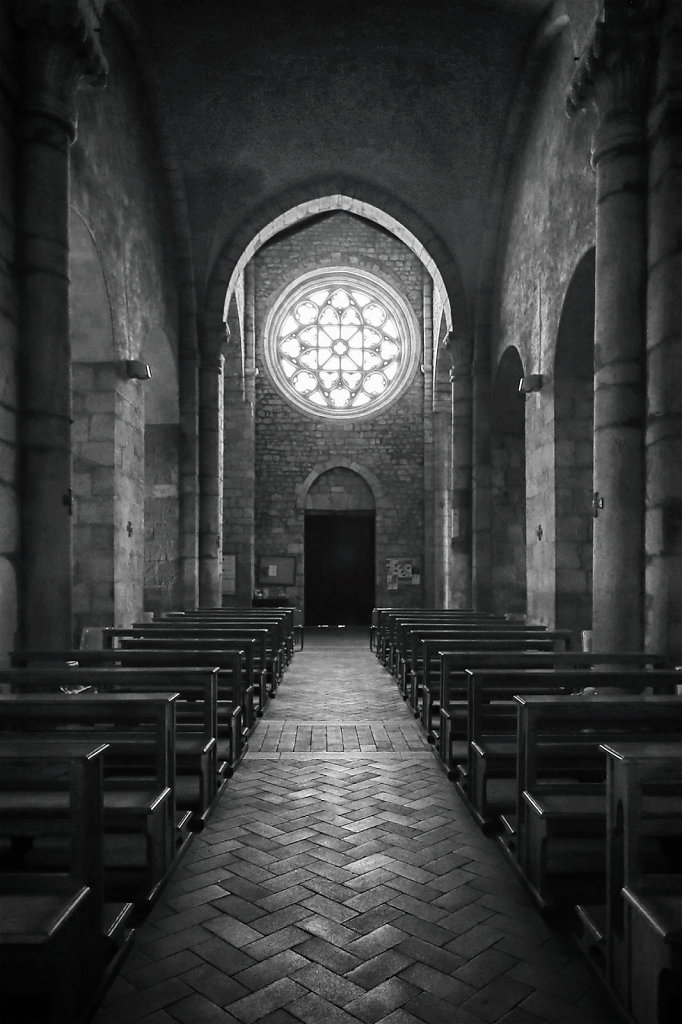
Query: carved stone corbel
(62, 50)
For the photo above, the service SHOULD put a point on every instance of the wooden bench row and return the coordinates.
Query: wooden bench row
(164, 712)
(573, 761)
(61, 940)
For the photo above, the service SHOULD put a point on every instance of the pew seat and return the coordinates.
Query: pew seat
(138, 817)
(55, 926)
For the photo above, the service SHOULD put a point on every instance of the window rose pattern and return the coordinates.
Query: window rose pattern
(339, 349)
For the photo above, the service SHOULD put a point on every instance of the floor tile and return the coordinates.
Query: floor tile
(333, 886)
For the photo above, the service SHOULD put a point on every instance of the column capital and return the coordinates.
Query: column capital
(614, 72)
(62, 50)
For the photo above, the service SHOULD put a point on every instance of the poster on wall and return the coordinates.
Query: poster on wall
(277, 569)
(400, 571)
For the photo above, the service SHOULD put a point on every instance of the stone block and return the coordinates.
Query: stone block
(101, 426)
(100, 402)
(82, 484)
(82, 379)
(565, 453)
(8, 463)
(8, 425)
(94, 510)
(9, 520)
(568, 556)
(98, 452)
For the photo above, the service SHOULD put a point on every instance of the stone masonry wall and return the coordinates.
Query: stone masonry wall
(290, 445)
(339, 490)
(93, 490)
(161, 582)
(574, 424)
(509, 527)
(129, 502)
(108, 486)
(9, 513)
(131, 235)
(549, 226)
(239, 482)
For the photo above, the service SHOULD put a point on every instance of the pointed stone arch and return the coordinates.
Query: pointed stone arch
(326, 466)
(309, 200)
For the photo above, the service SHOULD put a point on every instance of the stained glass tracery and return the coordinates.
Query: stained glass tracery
(339, 348)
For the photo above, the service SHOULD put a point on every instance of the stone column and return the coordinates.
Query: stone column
(61, 49)
(461, 539)
(614, 76)
(481, 473)
(189, 480)
(663, 623)
(240, 443)
(431, 554)
(442, 491)
(211, 447)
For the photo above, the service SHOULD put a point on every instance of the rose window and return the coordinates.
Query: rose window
(341, 345)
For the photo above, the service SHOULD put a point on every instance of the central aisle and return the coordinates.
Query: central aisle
(341, 879)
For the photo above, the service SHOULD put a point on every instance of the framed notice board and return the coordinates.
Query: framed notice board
(276, 570)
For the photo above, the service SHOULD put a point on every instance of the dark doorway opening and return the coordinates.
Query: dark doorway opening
(339, 568)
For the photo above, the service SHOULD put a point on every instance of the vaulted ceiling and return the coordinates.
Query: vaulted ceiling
(263, 100)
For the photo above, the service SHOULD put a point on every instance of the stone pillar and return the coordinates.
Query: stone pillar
(481, 507)
(442, 491)
(189, 480)
(461, 539)
(240, 443)
(429, 568)
(211, 449)
(61, 49)
(614, 76)
(663, 619)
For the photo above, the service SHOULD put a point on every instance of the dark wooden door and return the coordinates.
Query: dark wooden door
(339, 569)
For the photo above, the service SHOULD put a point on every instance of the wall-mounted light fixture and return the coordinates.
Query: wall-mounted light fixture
(533, 382)
(137, 370)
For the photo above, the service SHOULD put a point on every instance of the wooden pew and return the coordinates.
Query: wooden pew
(451, 735)
(253, 643)
(559, 838)
(428, 698)
(234, 702)
(387, 620)
(422, 683)
(279, 626)
(199, 777)
(492, 726)
(291, 619)
(410, 653)
(395, 625)
(60, 944)
(139, 772)
(644, 892)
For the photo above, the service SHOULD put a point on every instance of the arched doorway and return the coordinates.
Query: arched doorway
(574, 422)
(339, 550)
(508, 456)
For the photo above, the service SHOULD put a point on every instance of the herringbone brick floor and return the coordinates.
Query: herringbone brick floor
(341, 879)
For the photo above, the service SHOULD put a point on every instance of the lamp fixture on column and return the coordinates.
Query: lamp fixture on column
(137, 370)
(533, 382)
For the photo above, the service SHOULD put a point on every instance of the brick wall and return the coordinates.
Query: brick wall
(9, 513)
(290, 444)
